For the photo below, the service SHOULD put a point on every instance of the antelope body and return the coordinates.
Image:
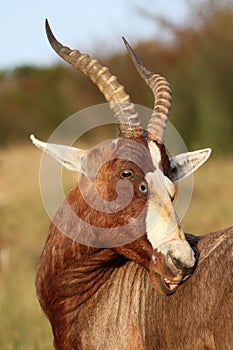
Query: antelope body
(102, 292)
(124, 311)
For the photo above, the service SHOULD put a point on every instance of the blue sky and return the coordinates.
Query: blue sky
(90, 26)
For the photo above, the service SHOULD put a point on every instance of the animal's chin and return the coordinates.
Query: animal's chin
(170, 285)
(163, 284)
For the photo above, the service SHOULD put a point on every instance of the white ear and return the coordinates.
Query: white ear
(185, 164)
(69, 157)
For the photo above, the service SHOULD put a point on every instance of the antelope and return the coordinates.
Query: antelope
(119, 287)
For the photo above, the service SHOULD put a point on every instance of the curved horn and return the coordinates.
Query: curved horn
(162, 94)
(128, 122)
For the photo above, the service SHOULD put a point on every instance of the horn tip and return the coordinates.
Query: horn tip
(125, 41)
(128, 47)
(51, 38)
(47, 28)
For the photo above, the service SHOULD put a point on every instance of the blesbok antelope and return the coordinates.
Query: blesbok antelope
(104, 294)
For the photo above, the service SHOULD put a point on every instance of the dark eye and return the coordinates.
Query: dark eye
(143, 187)
(126, 174)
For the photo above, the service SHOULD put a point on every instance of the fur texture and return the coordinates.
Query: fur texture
(107, 301)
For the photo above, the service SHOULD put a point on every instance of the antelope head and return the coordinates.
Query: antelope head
(142, 226)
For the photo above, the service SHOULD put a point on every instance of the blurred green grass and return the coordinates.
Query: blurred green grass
(24, 225)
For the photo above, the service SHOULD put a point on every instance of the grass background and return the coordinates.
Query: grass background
(24, 225)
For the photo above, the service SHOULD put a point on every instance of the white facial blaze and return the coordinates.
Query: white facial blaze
(161, 221)
(163, 230)
(155, 153)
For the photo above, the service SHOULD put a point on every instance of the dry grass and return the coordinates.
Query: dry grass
(23, 226)
(211, 206)
(24, 223)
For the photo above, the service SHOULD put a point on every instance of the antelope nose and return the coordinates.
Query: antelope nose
(179, 267)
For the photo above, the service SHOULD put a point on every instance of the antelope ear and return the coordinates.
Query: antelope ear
(185, 164)
(70, 157)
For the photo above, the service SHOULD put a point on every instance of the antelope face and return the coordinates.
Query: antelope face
(125, 192)
(168, 256)
(150, 208)
(129, 182)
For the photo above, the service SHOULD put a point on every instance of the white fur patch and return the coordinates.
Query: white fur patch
(160, 219)
(155, 153)
(163, 231)
(160, 226)
(165, 235)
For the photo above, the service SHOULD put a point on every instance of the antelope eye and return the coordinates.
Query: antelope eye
(126, 174)
(143, 187)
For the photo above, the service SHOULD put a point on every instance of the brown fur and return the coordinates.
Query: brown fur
(97, 298)
(102, 298)
(106, 301)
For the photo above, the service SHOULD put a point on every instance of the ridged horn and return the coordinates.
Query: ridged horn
(162, 95)
(128, 122)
